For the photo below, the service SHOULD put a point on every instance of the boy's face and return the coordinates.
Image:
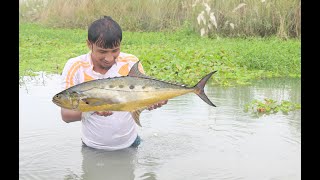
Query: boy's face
(104, 58)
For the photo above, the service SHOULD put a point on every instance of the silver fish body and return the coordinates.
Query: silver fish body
(132, 93)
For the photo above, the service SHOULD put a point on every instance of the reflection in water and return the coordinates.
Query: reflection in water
(185, 139)
(101, 165)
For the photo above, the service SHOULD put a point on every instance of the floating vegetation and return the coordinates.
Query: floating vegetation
(175, 55)
(270, 106)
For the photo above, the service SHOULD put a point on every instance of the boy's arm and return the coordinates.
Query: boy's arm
(70, 115)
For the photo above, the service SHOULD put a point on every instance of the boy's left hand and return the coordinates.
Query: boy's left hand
(157, 105)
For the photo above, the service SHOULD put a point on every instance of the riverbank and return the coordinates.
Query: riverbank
(181, 56)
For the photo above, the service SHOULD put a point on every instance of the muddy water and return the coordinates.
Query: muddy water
(185, 139)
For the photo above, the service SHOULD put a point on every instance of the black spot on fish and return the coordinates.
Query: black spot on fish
(121, 86)
(131, 86)
(143, 87)
(111, 86)
(85, 101)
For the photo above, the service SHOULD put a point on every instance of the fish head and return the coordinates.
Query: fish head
(66, 99)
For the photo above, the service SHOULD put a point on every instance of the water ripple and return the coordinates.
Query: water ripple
(185, 139)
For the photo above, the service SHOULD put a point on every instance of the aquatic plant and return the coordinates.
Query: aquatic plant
(270, 106)
(181, 55)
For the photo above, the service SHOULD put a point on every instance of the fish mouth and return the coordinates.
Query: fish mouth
(56, 102)
(60, 104)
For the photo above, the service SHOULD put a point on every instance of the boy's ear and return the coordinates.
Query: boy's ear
(89, 44)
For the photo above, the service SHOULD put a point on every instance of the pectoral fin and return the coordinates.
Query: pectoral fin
(94, 101)
(136, 115)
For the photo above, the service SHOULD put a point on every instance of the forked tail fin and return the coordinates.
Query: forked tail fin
(199, 89)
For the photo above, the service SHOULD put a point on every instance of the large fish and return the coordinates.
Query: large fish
(132, 93)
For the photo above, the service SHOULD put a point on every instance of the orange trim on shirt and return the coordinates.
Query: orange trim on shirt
(73, 70)
(141, 68)
(69, 81)
(87, 77)
(127, 59)
(124, 70)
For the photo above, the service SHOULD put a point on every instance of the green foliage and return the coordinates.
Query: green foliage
(180, 56)
(47, 49)
(270, 55)
(270, 106)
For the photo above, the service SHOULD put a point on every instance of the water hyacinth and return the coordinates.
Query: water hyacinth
(270, 106)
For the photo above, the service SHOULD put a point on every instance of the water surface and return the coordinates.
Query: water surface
(185, 139)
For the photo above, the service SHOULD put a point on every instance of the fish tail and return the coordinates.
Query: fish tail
(199, 88)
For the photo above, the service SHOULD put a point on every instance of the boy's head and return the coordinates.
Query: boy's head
(105, 33)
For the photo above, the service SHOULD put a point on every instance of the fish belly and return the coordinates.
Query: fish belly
(131, 101)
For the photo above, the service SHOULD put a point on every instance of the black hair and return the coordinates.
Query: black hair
(105, 33)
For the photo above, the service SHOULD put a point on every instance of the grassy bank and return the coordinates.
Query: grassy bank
(210, 18)
(181, 56)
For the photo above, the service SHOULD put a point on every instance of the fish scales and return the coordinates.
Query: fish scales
(141, 92)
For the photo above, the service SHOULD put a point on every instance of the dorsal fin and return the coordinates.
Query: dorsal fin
(134, 71)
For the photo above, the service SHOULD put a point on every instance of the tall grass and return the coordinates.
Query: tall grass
(231, 17)
(133, 15)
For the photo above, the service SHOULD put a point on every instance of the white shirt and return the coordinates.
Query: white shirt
(113, 132)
